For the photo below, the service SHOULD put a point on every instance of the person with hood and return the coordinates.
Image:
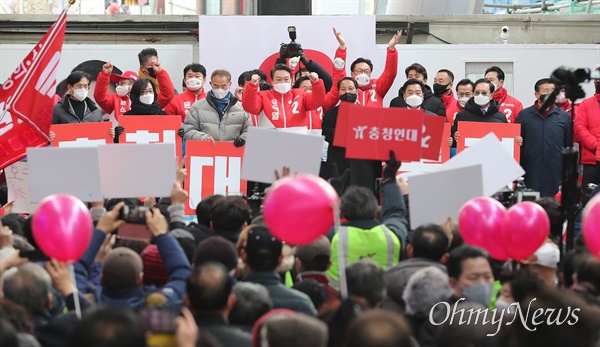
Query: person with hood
(144, 99)
(152, 69)
(282, 107)
(430, 102)
(194, 76)
(348, 89)
(371, 91)
(120, 102)
(464, 91)
(219, 116)
(480, 108)
(76, 106)
(507, 104)
(543, 137)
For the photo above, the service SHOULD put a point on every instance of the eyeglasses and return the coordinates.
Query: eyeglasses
(359, 71)
(148, 91)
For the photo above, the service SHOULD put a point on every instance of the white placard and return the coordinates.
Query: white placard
(142, 170)
(438, 195)
(74, 171)
(17, 182)
(268, 150)
(499, 167)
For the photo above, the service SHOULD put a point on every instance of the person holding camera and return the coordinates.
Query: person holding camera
(283, 107)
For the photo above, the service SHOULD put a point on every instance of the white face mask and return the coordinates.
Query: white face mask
(282, 88)
(80, 94)
(194, 84)
(495, 86)
(482, 100)
(363, 79)
(147, 99)
(414, 101)
(220, 93)
(548, 255)
(503, 305)
(463, 101)
(122, 90)
(561, 98)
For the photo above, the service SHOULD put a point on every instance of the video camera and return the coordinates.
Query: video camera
(292, 49)
(508, 197)
(255, 201)
(136, 215)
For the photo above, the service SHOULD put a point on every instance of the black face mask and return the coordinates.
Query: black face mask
(348, 97)
(439, 89)
(151, 72)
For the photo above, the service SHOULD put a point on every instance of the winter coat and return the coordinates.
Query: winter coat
(509, 105)
(63, 112)
(110, 102)
(541, 153)
(473, 113)
(180, 104)
(431, 103)
(282, 296)
(587, 128)
(204, 119)
(335, 154)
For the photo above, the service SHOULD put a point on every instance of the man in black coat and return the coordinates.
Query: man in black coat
(480, 108)
(431, 103)
(544, 135)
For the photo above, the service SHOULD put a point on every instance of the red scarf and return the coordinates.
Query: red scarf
(499, 95)
(447, 99)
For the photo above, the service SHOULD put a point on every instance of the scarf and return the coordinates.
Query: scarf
(537, 105)
(139, 109)
(499, 95)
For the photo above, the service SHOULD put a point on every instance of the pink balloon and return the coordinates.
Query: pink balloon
(481, 223)
(299, 209)
(525, 229)
(590, 221)
(62, 227)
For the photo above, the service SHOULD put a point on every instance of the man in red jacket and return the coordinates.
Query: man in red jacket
(118, 103)
(371, 91)
(194, 76)
(283, 107)
(442, 87)
(587, 132)
(464, 91)
(509, 105)
(152, 69)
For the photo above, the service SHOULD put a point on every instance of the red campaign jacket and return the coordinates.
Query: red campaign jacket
(287, 110)
(452, 110)
(587, 129)
(509, 105)
(448, 100)
(181, 103)
(110, 102)
(253, 117)
(333, 96)
(315, 118)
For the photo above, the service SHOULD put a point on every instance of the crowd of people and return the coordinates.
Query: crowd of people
(225, 280)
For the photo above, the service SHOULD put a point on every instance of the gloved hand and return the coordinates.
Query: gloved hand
(239, 142)
(180, 132)
(339, 183)
(391, 167)
(293, 62)
(119, 130)
(339, 63)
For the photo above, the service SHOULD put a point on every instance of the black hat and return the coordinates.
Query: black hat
(262, 243)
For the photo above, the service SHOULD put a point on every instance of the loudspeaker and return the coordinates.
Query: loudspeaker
(284, 7)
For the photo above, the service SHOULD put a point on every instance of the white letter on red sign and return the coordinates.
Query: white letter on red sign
(196, 167)
(227, 177)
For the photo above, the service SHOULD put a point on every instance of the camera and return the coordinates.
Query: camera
(255, 201)
(292, 49)
(508, 197)
(134, 216)
(504, 33)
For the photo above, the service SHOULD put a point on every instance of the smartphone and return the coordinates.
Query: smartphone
(160, 321)
(34, 256)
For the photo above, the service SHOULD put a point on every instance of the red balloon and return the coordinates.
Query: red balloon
(62, 227)
(590, 221)
(481, 223)
(299, 209)
(525, 229)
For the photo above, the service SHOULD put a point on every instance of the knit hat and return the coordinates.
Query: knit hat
(155, 272)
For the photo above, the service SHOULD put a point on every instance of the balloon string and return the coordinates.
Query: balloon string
(76, 293)
(341, 252)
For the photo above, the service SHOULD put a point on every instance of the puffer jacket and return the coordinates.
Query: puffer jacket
(203, 120)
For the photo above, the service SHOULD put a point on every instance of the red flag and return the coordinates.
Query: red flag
(26, 97)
